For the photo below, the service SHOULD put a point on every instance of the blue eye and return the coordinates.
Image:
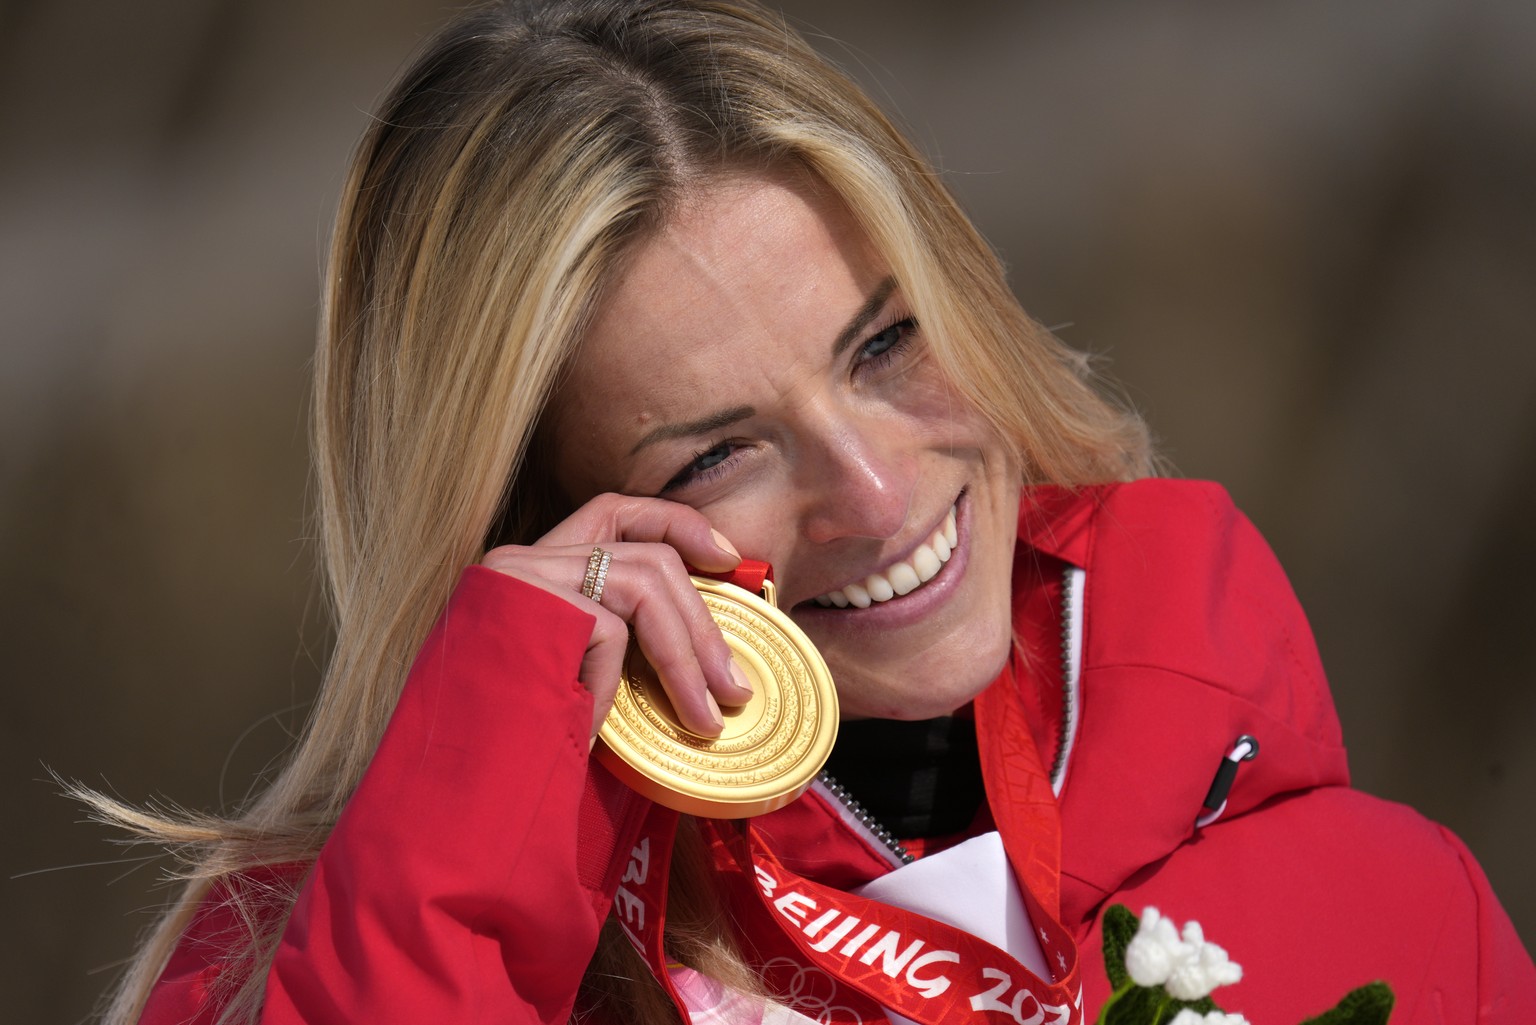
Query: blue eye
(701, 467)
(885, 345)
(714, 457)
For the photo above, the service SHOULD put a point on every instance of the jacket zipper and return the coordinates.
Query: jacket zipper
(856, 814)
(1072, 586)
(1066, 734)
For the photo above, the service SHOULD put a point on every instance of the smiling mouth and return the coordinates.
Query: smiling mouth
(899, 578)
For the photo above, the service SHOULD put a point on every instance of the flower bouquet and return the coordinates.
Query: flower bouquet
(1162, 975)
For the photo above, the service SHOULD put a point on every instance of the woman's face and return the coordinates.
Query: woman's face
(756, 361)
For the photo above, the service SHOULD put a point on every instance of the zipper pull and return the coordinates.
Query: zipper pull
(1244, 749)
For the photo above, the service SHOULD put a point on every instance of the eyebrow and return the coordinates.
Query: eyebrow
(692, 428)
(725, 417)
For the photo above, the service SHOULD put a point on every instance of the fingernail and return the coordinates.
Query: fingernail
(724, 545)
(714, 711)
(740, 678)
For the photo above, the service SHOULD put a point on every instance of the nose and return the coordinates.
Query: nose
(859, 477)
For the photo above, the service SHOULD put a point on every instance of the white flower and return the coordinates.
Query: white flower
(1188, 1017)
(1155, 951)
(1189, 968)
(1221, 970)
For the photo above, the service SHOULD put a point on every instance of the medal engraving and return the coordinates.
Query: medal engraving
(771, 747)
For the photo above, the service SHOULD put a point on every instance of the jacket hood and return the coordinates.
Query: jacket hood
(1191, 637)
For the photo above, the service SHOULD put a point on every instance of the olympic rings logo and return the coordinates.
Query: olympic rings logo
(809, 991)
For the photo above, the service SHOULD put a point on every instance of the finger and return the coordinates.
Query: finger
(674, 630)
(740, 690)
(725, 680)
(637, 570)
(647, 586)
(602, 666)
(722, 676)
(680, 676)
(629, 518)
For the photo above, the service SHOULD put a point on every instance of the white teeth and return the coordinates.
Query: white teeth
(941, 546)
(879, 587)
(925, 563)
(902, 577)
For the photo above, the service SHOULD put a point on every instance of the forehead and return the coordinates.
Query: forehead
(749, 256)
(748, 284)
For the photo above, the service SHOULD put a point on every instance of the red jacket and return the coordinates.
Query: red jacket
(470, 873)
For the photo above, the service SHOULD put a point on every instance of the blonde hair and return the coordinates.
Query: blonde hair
(505, 177)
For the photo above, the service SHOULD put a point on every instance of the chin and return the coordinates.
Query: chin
(937, 681)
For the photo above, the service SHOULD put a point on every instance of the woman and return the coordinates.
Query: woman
(648, 280)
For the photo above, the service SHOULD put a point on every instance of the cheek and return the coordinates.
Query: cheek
(936, 412)
(942, 419)
(758, 528)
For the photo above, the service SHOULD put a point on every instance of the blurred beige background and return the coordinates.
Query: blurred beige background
(1303, 235)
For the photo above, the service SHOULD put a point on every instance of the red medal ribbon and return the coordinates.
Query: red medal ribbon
(1019, 792)
(749, 575)
(640, 902)
(921, 968)
(838, 957)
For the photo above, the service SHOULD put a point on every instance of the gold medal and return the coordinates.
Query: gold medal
(771, 747)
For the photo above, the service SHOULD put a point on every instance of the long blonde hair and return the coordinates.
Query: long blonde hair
(503, 180)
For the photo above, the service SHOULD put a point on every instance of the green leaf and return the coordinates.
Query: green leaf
(1371, 1004)
(1205, 1005)
(1120, 926)
(1139, 1005)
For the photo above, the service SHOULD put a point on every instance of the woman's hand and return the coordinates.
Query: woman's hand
(648, 588)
